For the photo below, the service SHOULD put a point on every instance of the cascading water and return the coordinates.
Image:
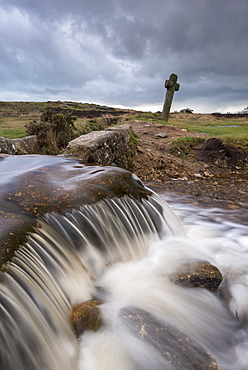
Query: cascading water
(55, 270)
(123, 251)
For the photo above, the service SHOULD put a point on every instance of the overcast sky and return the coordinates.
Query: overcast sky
(120, 52)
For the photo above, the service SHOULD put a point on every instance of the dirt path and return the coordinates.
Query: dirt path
(205, 182)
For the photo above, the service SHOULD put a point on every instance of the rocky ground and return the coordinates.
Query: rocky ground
(207, 174)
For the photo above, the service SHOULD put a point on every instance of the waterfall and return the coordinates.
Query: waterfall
(57, 267)
(121, 251)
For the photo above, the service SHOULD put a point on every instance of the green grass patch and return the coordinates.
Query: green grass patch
(13, 133)
(216, 129)
(133, 140)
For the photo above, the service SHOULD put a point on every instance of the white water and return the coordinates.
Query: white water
(138, 278)
(214, 235)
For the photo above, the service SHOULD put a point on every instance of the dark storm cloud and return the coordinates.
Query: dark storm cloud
(120, 51)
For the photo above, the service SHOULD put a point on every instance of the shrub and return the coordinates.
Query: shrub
(53, 130)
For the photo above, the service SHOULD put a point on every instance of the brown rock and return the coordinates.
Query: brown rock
(198, 274)
(86, 316)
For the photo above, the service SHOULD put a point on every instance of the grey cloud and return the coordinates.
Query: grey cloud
(122, 50)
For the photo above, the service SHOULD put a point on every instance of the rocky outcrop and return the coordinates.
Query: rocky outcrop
(110, 146)
(198, 274)
(27, 145)
(7, 146)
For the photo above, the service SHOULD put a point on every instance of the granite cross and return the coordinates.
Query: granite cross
(171, 85)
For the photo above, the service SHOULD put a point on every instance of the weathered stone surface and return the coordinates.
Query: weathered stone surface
(86, 316)
(198, 274)
(102, 147)
(171, 347)
(7, 146)
(27, 145)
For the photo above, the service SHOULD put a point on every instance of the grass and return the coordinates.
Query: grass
(13, 133)
(14, 116)
(216, 128)
(233, 132)
(133, 140)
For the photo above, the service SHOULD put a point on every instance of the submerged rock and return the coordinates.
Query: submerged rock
(86, 316)
(172, 348)
(198, 274)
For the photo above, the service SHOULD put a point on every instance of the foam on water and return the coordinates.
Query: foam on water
(218, 325)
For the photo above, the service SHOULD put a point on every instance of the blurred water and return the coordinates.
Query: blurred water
(218, 325)
(123, 253)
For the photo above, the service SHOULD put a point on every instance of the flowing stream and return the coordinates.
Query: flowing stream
(123, 252)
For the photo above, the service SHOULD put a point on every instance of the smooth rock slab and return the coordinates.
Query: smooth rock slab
(173, 348)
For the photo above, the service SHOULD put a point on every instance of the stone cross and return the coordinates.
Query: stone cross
(171, 85)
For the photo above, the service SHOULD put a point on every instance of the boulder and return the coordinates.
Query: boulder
(103, 147)
(27, 145)
(198, 274)
(7, 146)
(86, 316)
(172, 348)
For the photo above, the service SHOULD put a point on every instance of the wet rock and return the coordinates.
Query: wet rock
(171, 347)
(86, 316)
(41, 184)
(198, 274)
(7, 146)
(27, 145)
